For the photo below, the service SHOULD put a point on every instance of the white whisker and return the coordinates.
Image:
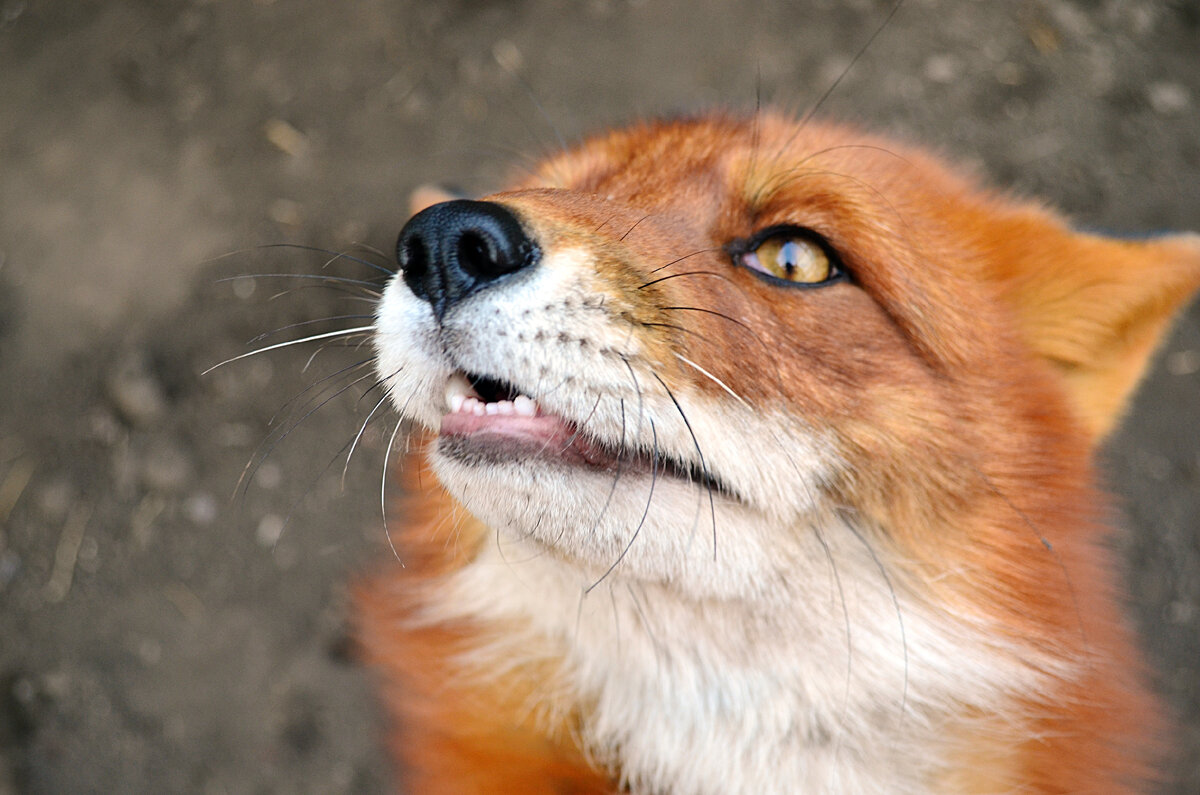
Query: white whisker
(342, 333)
(358, 436)
(383, 490)
(713, 378)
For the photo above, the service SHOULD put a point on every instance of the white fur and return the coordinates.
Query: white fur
(754, 644)
(834, 681)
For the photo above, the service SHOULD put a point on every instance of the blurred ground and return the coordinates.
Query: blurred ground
(157, 635)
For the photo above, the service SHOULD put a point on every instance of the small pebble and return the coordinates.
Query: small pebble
(351, 232)
(54, 499)
(286, 138)
(234, 434)
(166, 467)
(268, 476)
(200, 509)
(103, 426)
(1010, 74)
(1185, 362)
(1168, 99)
(135, 392)
(286, 556)
(270, 528)
(507, 55)
(942, 69)
(286, 212)
(149, 650)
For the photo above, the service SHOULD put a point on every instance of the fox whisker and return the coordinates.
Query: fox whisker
(328, 335)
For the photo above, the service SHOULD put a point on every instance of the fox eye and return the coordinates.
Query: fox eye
(790, 254)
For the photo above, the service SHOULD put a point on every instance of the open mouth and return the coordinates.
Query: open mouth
(493, 420)
(491, 417)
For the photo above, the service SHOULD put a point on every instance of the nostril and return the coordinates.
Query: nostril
(413, 255)
(475, 256)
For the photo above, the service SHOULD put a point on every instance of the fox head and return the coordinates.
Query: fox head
(762, 322)
(797, 395)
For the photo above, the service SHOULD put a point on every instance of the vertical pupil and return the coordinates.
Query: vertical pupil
(787, 256)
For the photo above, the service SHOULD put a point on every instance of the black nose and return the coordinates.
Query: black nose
(455, 249)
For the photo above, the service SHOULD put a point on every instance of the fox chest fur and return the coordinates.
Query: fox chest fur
(754, 456)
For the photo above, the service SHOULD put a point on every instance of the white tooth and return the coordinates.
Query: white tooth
(504, 407)
(456, 403)
(468, 405)
(492, 408)
(479, 409)
(457, 388)
(525, 406)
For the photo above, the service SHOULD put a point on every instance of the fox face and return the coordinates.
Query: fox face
(767, 443)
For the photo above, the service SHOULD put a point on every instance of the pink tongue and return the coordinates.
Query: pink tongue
(544, 434)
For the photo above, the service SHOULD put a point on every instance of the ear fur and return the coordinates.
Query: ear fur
(1097, 308)
(428, 195)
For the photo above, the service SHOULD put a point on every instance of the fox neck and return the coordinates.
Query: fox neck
(831, 683)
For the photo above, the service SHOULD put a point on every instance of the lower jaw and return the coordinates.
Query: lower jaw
(566, 451)
(482, 447)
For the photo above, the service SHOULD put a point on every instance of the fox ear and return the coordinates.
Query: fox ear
(428, 195)
(1097, 308)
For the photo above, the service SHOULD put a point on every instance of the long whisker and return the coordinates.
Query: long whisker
(712, 507)
(895, 601)
(324, 346)
(1045, 542)
(637, 388)
(323, 277)
(629, 231)
(721, 315)
(858, 55)
(712, 378)
(604, 223)
(383, 491)
(659, 648)
(754, 335)
(314, 385)
(529, 92)
(357, 436)
(312, 482)
(837, 581)
(783, 180)
(336, 255)
(816, 106)
(329, 335)
(249, 471)
(685, 256)
(348, 292)
(579, 426)
(685, 273)
(645, 512)
(617, 477)
(367, 247)
(290, 326)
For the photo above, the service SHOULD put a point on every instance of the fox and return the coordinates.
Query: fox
(756, 454)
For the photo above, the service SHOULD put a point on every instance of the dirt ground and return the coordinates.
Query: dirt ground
(162, 630)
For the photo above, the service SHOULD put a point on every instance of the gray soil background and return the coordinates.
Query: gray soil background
(159, 633)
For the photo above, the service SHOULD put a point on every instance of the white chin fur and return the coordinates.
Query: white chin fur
(594, 519)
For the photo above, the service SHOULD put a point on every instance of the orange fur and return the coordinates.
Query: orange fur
(965, 378)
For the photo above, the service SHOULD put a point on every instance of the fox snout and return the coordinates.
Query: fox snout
(455, 249)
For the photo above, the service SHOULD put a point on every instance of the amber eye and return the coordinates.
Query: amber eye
(791, 254)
